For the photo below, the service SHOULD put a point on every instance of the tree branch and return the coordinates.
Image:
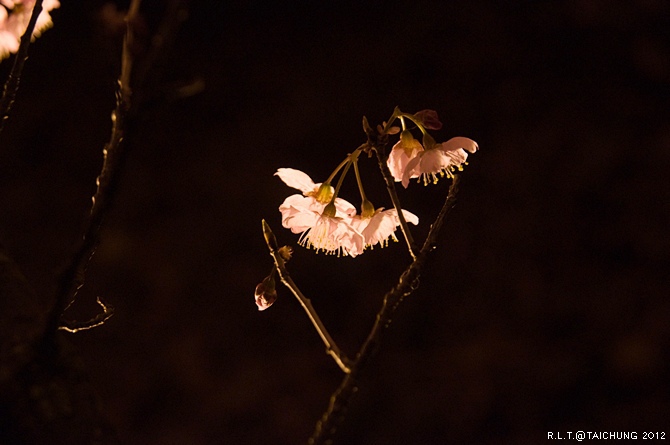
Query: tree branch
(331, 347)
(72, 278)
(327, 426)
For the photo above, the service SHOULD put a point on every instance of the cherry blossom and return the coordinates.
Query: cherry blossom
(333, 235)
(381, 226)
(320, 194)
(441, 159)
(323, 226)
(403, 151)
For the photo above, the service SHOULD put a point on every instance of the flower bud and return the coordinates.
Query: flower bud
(265, 293)
(429, 119)
(269, 236)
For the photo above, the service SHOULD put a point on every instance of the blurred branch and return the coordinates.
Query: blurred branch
(76, 326)
(72, 279)
(327, 426)
(12, 83)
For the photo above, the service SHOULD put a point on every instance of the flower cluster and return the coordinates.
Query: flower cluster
(331, 224)
(14, 18)
(410, 158)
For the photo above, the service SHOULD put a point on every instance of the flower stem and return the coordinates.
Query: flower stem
(331, 347)
(337, 169)
(358, 180)
(413, 119)
(350, 159)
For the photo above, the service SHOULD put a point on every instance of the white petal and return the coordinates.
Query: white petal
(460, 142)
(410, 217)
(409, 170)
(296, 179)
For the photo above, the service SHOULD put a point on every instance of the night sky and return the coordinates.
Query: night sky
(544, 307)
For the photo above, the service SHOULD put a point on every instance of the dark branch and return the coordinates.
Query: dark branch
(327, 426)
(72, 278)
(100, 319)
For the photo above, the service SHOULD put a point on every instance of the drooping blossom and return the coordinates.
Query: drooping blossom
(412, 161)
(320, 195)
(403, 151)
(442, 159)
(14, 18)
(334, 235)
(381, 226)
(322, 226)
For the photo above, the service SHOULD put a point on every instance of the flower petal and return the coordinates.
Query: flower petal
(460, 142)
(410, 169)
(299, 213)
(296, 179)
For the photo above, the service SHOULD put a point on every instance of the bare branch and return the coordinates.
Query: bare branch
(326, 427)
(331, 347)
(72, 278)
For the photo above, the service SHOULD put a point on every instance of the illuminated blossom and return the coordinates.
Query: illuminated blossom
(441, 159)
(381, 226)
(14, 18)
(333, 235)
(324, 229)
(403, 151)
(320, 194)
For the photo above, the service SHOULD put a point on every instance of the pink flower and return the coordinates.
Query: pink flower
(381, 226)
(321, 194)
(297, 180)
(403, 151)
(441, 159)
(333, 235)
(322, 226)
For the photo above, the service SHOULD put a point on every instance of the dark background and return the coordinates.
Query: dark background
(544, 308)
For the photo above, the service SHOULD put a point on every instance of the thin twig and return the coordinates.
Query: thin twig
(331, 347)
(327, 426)
(12, 84)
